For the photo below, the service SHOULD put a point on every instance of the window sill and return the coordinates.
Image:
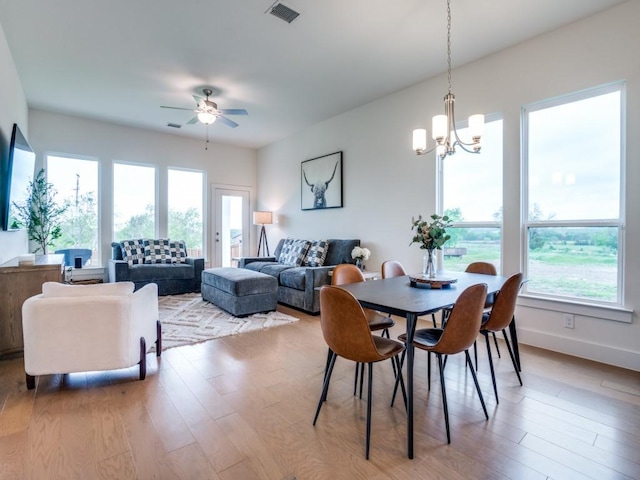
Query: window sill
(605, 312)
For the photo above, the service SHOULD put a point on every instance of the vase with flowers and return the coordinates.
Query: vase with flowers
(360, 254)
(431, 235)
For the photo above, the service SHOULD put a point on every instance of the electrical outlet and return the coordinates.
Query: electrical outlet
(568, 320)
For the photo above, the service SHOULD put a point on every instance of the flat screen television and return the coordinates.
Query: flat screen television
(20, 170)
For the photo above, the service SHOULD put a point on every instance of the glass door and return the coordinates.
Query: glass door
(231, 238)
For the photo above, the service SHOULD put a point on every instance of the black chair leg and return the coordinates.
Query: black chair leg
(401, 380)
(361, 379)
(143, 358)
(158, 338)
(369, 399)
(444, 396)
(495, 340)
(475, 380)
(330, 356)
(325, 386)
(355, 379)
(398, 377)
(513, 358)
(433, 317)
(493, 373)
(429, 370)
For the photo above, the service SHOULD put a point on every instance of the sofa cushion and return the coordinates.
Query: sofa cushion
(133, 251)
(161, 271)
(294, 278)
(157, 251)
(274, 269)
(258, 266)
(317, 253)
(178, 250)
(340, 251)
(294, 252)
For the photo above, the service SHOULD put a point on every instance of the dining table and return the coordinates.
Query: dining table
(400, 296)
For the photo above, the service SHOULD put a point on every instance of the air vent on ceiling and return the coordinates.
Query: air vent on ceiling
(283, 12)
(174, 125)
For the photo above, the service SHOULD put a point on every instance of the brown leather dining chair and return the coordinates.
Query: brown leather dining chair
(344, 274)
(346, 331)
(499, 318)
(458, 334)
(393, 268)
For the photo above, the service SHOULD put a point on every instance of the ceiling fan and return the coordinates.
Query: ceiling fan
(208, 112)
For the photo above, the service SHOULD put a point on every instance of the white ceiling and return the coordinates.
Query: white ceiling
(119, 60)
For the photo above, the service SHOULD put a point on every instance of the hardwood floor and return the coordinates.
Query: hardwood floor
(241, 408)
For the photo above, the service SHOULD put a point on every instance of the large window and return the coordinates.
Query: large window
(472, 198)
(76, 183)
(186, 209)
(573, 159)
(134, 201)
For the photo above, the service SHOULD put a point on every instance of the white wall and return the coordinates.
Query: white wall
(13, 109)
(63, 134)
(386, 184)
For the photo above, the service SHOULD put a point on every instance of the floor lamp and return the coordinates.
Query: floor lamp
(263, 218)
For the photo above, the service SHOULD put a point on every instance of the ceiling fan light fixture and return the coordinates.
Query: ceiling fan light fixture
(206, 118)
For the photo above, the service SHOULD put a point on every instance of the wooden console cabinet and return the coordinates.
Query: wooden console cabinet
(17, 283)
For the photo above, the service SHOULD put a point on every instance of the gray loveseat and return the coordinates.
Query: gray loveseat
(298, 286)
(171, 278)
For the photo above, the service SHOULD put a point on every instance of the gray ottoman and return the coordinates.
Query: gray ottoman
(239, 291)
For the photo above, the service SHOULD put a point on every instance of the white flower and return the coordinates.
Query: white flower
(361, 253)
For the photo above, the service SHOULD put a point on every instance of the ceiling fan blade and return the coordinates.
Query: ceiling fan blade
(192, 121)
(233, 111)
(228, 122)
(176, 108)
(199, 100)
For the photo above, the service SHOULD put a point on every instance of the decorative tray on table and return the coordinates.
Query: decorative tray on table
(438, 281)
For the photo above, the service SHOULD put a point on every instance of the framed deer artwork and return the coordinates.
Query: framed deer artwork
(321, 182)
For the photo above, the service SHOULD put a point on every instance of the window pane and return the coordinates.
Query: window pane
(574, 160)
(573, 262)
(469, 245)
(472, 183)
(76, 181)
(134, 194)
(185, 209)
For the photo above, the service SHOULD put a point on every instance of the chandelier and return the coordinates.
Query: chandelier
(444, 126)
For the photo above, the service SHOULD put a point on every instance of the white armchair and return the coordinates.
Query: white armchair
(80, 328)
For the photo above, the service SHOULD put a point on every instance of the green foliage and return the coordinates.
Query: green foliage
(455, 215)
(80, 224)
(139, 226)
(41, 214)
(186, 225)
(431, 235)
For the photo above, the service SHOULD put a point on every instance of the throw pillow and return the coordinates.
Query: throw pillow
(294, 252)
(178, 251)
(317, 253)
(133, 251)
(157, 251)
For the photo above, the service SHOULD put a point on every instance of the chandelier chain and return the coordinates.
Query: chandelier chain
(449, 44)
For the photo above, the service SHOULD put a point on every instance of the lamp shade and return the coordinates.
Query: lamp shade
(419, 139)
(262, 218)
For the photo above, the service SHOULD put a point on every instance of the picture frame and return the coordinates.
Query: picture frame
(321, 182)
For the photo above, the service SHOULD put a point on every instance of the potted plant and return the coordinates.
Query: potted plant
(360, 254)
(431, 236)
(40, 214)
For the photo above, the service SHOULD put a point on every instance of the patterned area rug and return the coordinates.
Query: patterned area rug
(187, 319)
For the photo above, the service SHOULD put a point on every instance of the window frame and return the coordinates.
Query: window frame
(619, 223)
(203, 206)
(99, 196)
(156, 195)
(493, 117)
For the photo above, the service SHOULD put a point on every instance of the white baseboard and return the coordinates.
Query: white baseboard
(578, 348)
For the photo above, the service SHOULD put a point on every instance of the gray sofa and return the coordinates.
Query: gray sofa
(298, 286)
(171, 278)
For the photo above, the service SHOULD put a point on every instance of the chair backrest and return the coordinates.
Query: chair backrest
(482, 267)
(346, 273)
(504, 305)
(345, 327)
(463, 324)
(392, 268)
